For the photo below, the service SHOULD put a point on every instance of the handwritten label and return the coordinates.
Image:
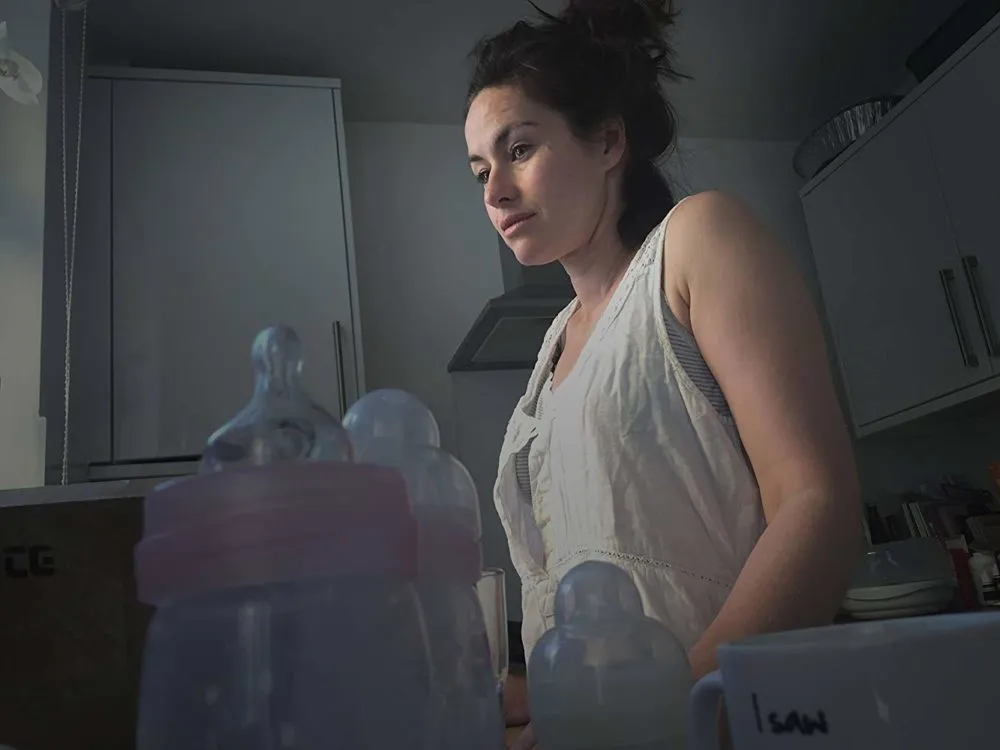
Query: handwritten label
(792, 722)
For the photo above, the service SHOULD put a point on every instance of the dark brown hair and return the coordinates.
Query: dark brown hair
(597, 60)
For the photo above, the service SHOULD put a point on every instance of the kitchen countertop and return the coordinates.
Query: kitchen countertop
(82, 492)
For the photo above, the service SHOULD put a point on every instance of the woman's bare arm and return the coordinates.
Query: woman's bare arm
(740, 294)
(515, 700)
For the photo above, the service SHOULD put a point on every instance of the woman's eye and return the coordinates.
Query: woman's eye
(482, 177)
(519, 151)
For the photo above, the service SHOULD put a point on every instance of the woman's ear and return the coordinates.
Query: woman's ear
(613, 142)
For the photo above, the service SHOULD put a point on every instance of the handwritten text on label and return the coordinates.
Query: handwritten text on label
(792, 722)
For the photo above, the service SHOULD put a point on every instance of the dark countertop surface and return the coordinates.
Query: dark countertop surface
(118, 488)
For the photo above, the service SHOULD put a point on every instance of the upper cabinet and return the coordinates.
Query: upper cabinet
(962, 113)
(228, 217)
(900, 229)
(889, 271)
(228, 212)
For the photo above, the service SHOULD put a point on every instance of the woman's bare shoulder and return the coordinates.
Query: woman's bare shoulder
(707, 229)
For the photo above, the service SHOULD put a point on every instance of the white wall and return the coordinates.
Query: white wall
(758, 172)
(427, 256)
(22, 221)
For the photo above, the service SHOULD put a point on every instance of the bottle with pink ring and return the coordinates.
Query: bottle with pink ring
(314, 584)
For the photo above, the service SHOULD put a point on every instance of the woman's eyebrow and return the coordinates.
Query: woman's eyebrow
(503, 134)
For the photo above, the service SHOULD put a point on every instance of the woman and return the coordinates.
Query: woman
(680, 421)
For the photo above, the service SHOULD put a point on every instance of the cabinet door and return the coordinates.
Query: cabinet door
(962, 113)
(90, 340)
(891, 277)
(228, 218)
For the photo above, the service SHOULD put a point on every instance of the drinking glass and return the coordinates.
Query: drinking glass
(493, 600)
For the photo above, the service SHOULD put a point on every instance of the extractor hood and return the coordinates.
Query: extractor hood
(509, 331)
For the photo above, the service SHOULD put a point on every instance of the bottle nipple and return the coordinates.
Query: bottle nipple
(392, 428)
(281, 422)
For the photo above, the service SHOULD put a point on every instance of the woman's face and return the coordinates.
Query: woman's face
(546, 191)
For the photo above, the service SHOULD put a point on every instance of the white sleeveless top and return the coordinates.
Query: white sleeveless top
(631, 462)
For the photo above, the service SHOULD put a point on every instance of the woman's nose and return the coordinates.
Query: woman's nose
(500, 189)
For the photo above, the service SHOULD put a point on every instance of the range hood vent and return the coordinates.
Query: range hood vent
(509, 331)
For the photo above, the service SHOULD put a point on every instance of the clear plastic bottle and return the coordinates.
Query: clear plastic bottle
(607, 677)
(285, 584)
(392, 428)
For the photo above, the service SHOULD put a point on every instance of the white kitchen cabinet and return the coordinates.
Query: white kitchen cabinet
(229, 216)
(962, 114)
(230, 213)
(902, 228)
(90, 343)
(891, 276)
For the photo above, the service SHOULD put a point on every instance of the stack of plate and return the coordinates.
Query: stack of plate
(902, 579)
(899, 600)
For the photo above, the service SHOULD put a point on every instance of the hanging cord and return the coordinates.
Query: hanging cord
(69, 222)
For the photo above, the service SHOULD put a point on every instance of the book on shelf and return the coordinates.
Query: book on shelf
(944, 518)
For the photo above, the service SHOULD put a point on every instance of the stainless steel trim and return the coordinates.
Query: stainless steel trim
(970, 264)
(947, 276)
(141, 470)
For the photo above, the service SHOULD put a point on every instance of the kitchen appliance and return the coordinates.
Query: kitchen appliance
(508, 332)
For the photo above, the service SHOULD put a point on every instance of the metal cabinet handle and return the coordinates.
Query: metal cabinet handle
(338, 343)
(970, 264)
(947, 276)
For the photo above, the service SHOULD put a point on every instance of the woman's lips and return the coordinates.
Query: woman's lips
(512, 223)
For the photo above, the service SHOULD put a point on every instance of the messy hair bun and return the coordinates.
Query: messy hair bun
(596, 60)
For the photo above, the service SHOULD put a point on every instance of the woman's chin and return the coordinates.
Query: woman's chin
(528, 254)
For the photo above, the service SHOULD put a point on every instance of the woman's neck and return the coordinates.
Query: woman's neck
(596, 268)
